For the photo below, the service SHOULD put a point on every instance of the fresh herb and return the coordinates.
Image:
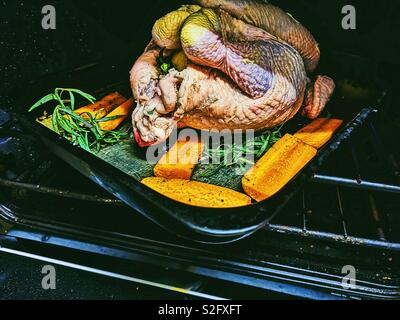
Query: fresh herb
(165, 67)
(82, 129)
(163, 63)
(239, 155)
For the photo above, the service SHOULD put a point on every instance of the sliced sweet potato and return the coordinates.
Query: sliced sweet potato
(318, 132)
(102, 107)
(122, 112)
(197, 193)
(277, 167)
(179, 161)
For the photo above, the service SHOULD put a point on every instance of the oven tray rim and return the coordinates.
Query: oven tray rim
(204, 225)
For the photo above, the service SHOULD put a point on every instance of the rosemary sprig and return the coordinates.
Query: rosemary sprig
(238, 155)
(82, 129)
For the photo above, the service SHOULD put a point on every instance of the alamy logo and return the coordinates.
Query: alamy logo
(349, 21)
(349, 280)
(49, 280)
(49, 18)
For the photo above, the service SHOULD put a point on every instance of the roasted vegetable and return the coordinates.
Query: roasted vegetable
(318, 132)
(126, 156)
(102, 107)
(179, 161)
(82, 126)
(277, 167)
(197, 193)
(117, 116)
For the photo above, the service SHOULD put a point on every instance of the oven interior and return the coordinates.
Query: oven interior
(347, 214)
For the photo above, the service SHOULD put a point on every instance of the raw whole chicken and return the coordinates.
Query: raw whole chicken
(238, 64)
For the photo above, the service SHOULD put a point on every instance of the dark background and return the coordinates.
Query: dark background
(90, 30)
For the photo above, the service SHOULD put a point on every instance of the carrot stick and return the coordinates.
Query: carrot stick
(197, 194)
(123, 111)
(319, 132)
(180, 161)
(277, 167)
(102, 107)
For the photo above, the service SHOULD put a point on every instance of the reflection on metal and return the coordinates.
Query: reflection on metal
(353, 183)
(360, 242)
(57, 192)
(110, 274)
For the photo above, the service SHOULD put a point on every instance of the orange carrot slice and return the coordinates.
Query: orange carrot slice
(277, 167)
(319, 132)
(102, 107)
(180, 161)
(197, 193)
(122, 111)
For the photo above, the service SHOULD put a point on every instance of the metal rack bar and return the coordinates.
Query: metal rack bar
(57, 192)
(319, 235)
(377, 218)
(304, 210)
(352, 183)
(356, 163)
(340, 206)
(395, 166)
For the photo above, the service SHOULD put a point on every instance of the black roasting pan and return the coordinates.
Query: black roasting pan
(194, 223)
